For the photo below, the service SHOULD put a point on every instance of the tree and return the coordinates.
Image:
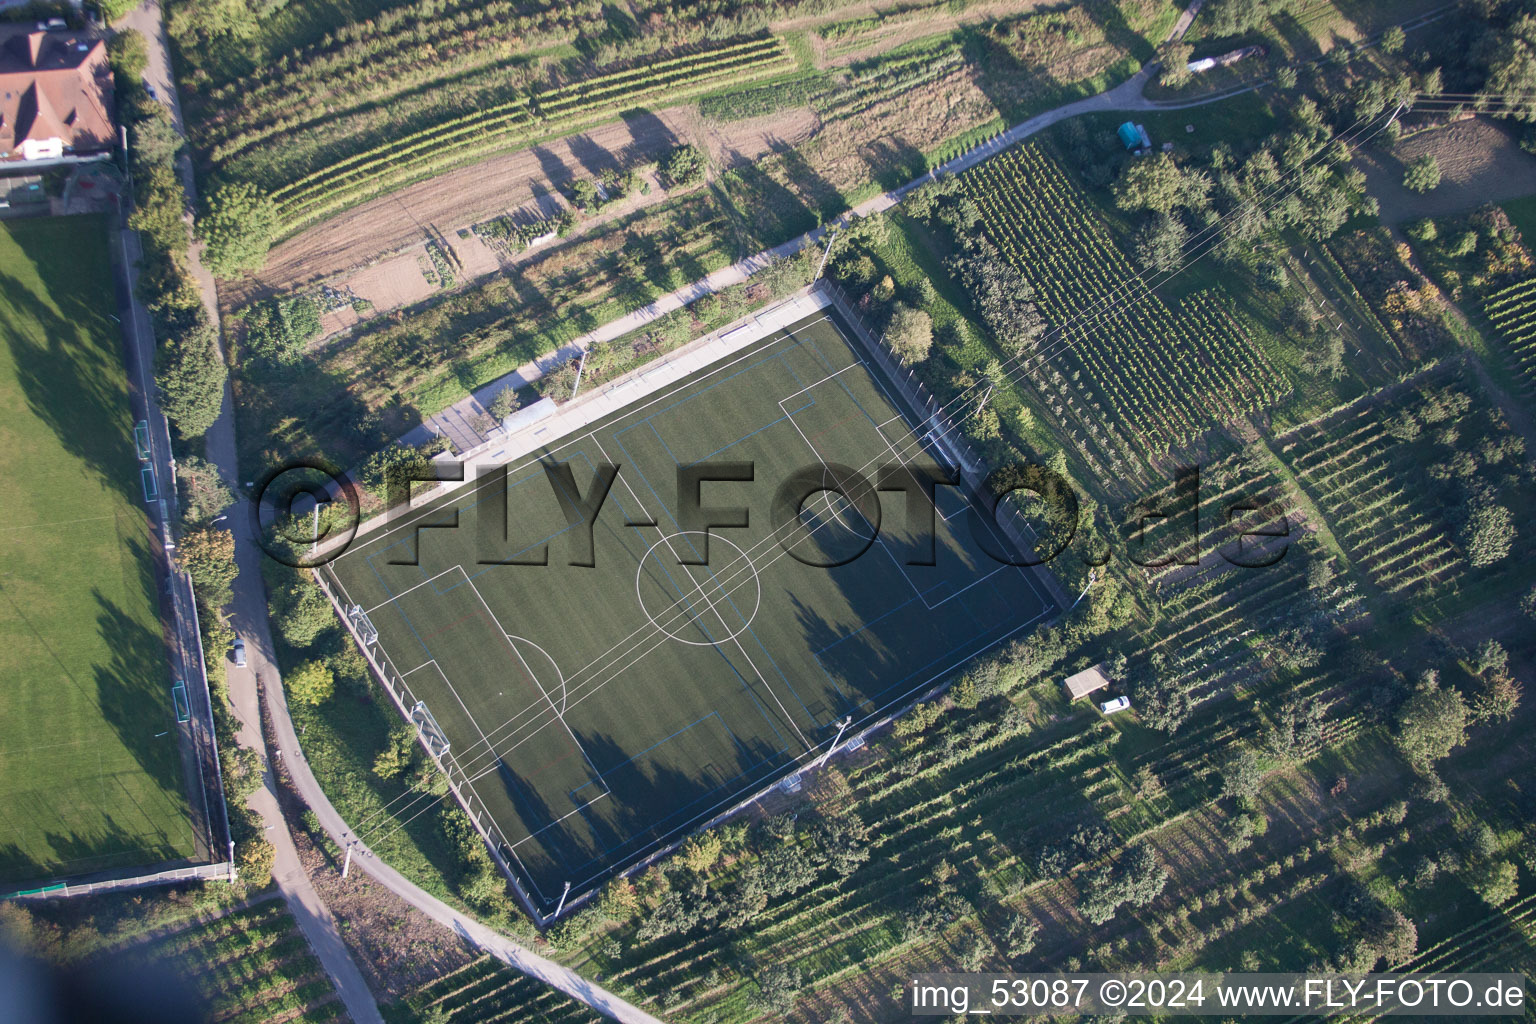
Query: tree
(301, 611)
(1157, 183)
(1138, 879)
(190, 376)
(1511, 84)
(386, 473)
(208, 556)
(311, 683)
(1422, 174)
(1019, 935)
(777, 987)
(683, 166)
(1488, 534)
(1160, 243)
(503, 404)
(910, 334)
(1497, 883)
(398, 754)
(201, 489)
(1174, 56)
(127, 53)
(1242, 774)
(1431, 723)
(702, 852)
(1392, 40)
(236, 229)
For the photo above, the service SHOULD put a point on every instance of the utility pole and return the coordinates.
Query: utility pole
(346, 865)
(579, 367)
(1092, 576)
(842, 726)
(563, 895)
(831, 237)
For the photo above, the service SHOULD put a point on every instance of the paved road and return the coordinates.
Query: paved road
(292, 881)
(248, 616)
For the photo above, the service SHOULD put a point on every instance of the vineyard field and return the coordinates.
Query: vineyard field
(254, 966)
(1140, 376)
(1512, 311)
(487, 991)
(1389, 474)
(544, 112)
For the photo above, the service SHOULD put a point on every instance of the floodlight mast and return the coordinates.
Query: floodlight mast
(842, 726)
(563, 895)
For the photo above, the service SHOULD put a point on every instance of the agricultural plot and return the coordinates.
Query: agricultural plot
(593, 714)
(487, 991)
(1141, 376)
(90, 778)
(1393, 475)
(1512, 311)
(551, 110)
(253, 966)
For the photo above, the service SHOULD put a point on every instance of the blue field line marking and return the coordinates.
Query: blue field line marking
(692, 394)
(658, 823)
(729, 599)
(580, 453)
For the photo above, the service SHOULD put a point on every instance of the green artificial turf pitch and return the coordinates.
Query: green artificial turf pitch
(85, 783)
(602, 712)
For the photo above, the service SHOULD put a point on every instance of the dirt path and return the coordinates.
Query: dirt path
(443, 204)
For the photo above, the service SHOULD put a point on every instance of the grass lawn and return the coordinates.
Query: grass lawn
(1523, 213)
(85, 783)
(600, 712)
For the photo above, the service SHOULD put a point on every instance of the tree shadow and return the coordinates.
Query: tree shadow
(74, 382)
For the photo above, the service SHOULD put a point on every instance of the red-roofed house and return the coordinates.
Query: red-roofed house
(55, 96)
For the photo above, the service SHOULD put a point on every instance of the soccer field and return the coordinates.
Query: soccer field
(85, 782)
(600, 712)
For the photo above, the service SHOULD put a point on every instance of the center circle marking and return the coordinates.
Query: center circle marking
(709, 590)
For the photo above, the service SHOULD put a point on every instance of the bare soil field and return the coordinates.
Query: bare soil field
(742, 142)
(1479, 164)
(452, 200)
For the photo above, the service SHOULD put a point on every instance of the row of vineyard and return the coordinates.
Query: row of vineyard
(1371, 469)
(379, 60)
(552, 110)
(487, 991)
(875, 81)
(1512, 311)
(1166, 373)
(1215, 621)
(247, 967)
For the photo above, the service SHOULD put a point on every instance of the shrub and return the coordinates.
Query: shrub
(128, 54)
(683, 166)
(311, 683)
(1422, 174)
(910, 334)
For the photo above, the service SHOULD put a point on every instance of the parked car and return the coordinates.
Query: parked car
(239, 652)
(1109, 707)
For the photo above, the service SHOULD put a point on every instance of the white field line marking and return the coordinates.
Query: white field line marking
(402, 593)
(454, 690)
(534, 458)
(567, 814)
(532, 677)
(725, 595)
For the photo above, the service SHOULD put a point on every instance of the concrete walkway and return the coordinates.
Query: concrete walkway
(250, 606)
